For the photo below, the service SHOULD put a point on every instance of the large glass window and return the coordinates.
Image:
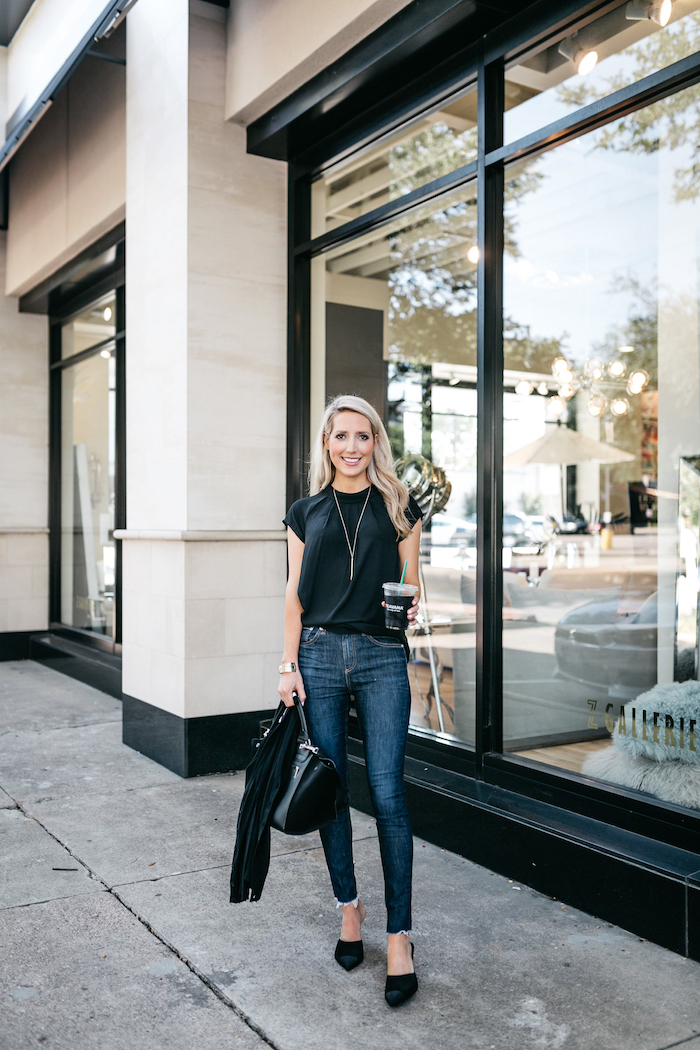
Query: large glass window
(85, 382)
(93, 326)
(87, 494)
(602, 434)
(619, 48)
(600, 387)
(438, 143)
(395, 321)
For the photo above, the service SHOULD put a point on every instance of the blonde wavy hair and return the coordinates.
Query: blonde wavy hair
(380, 470)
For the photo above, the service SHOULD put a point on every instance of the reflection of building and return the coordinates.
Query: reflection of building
(228, 214)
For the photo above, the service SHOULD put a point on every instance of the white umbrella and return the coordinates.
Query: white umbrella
(566, 447)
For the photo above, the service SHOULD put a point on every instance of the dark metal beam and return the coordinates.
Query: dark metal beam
(489, 385)
(417, 45)
(298, 338)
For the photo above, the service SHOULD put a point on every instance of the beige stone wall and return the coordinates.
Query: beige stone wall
(203, 623)
(206, 379)
(276, 45)
(67, 182)
(23, 466)
(237, 293)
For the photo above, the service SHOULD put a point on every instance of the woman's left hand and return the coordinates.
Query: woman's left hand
(412, 612)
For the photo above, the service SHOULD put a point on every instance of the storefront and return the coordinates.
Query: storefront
(484, 220)
(510, 275)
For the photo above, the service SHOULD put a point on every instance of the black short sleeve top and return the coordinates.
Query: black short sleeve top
(329, 598)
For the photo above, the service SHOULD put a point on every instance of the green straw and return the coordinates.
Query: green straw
(403, 574)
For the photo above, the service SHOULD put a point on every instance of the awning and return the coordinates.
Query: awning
(114, 13)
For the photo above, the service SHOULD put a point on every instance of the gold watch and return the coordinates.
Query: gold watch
(286, 668)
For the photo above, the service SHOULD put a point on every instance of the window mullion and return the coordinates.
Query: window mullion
(489, 581)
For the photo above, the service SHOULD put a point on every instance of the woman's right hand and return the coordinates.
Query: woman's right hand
(291, 682)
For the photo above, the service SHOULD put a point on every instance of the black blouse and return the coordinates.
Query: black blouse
(329, 598)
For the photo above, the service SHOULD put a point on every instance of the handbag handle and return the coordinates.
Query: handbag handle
(302, 716)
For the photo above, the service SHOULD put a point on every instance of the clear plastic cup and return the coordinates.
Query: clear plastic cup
(398, 598)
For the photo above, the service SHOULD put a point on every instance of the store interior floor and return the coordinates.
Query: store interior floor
(424, 715)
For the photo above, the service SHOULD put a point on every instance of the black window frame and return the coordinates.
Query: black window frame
(486, 62)
(60, 315)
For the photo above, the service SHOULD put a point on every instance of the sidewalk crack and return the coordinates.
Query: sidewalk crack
(170, 875)
(248, 1021)
(55, 729)
(49, 900)
(680, 1042)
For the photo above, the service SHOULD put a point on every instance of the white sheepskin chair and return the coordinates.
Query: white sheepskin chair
(660, 767)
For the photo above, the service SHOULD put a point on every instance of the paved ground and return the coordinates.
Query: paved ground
(116, 932)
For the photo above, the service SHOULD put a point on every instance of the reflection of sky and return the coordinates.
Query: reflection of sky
(593, 217)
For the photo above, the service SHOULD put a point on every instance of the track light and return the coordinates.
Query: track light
(583, 58)
(658, 11)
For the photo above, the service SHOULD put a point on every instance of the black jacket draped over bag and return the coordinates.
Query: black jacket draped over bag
(266, 776)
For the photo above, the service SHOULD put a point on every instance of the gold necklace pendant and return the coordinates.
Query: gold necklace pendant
(353, 548)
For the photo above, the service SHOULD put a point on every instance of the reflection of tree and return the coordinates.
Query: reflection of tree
(525, 353)
(434, 151)
(641, 330)
(672, 122)
(433, 286)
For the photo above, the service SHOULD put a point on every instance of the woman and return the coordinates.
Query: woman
(351, 535)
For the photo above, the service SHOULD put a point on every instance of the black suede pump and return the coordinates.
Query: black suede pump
(400, 987)
(349, 954)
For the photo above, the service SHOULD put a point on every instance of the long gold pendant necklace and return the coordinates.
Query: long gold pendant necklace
(352, 549)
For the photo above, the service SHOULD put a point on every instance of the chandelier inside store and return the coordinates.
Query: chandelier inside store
(605, 385)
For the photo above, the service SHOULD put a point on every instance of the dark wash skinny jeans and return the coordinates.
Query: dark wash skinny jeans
(374, 670)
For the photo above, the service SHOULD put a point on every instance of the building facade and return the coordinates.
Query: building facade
(484, 219)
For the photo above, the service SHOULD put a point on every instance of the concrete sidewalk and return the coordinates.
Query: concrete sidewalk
(116, 932)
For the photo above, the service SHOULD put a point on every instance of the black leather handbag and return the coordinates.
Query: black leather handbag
(311, 797)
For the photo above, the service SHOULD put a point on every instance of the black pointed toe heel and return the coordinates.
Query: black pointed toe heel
(349, 954)
(401, 987)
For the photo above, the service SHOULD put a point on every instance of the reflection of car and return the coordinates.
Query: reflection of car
(538, 526)
(597, 646)
(516, 529)
(448, 531)
(574, 523)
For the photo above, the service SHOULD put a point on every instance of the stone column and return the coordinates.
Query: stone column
(203, 553)
(24, 454)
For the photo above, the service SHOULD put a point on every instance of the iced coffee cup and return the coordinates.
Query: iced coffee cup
(398, 598)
